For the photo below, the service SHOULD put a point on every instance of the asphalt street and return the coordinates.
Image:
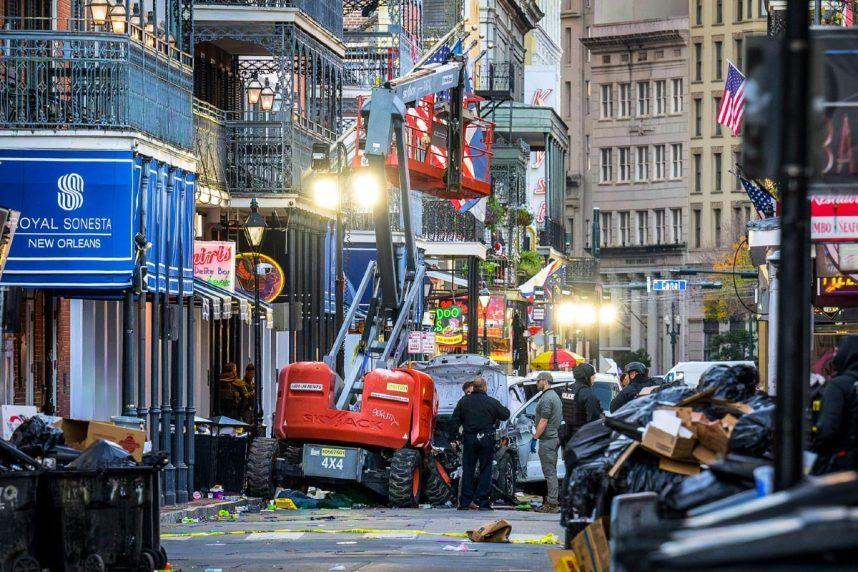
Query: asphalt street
(365, 539)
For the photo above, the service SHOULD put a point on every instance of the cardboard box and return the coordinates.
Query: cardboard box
(11, 416)
(80, 434)
(713, 436)
(704, 455)
(678, 467)
(563, 560)
(591, 549)
(666, 436)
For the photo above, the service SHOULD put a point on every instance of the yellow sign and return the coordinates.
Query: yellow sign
(448, 340)
(397, 387)
(329, 452)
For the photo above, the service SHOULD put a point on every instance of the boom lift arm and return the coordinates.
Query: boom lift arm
(394, 293)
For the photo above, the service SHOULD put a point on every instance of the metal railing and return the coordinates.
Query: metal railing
(443, 223)
(499, 272)
(497, 80)
(326, 13)
(367, 66)
(60, 74)
(553, 235)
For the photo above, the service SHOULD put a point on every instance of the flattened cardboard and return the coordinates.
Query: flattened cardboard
(591, 548)
(80, 434)
(621, 460)
(704, 455)
(713, 436)
(678, 467)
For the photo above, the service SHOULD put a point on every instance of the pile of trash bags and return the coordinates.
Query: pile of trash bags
(605, 458)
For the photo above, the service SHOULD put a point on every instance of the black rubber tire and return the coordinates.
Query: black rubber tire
(260, 465)
(147, 562)
(436, 490)
(405, 482)
(505, 479)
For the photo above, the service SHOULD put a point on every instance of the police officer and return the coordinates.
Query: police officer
(835, 435)
(478, 415)
(580, 404)
(638, 379)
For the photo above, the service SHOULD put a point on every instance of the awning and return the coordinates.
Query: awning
(218, 303)
(446, 277)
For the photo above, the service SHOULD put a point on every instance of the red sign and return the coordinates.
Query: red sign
(834, 217)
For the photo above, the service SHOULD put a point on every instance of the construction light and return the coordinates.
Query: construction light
(326, 193)
(366, 188)
(585, 314)
(565, 313)
(607, 313)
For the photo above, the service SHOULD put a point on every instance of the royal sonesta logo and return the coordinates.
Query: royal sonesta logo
(70, 192)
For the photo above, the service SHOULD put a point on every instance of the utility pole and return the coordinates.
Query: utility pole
(793, 363)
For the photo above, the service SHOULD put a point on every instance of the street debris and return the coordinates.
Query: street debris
(285, 504)
(336, 568)
(461, 547)
(497, 531)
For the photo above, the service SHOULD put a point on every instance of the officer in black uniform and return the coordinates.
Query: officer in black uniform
(580, 404)
(638, 379)
(835, 434)
(478, 414)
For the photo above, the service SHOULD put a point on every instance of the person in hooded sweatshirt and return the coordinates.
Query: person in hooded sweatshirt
(835, 435)
(638, 379)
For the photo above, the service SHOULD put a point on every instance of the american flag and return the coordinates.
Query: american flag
(763, 201)
(732, 108)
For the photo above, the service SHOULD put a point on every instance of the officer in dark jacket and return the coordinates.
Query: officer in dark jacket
(835, 436)
(638, 379)
(580, 404)
(478, 414)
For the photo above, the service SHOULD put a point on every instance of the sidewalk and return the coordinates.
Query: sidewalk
(204, 509)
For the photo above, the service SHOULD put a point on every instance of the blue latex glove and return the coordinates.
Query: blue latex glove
(533, 445)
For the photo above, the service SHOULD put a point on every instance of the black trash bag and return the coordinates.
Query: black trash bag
(13, 460)
(760, 400)
(733, 383)
(645, 476)
(738, 468)
(35, 436)
(103, 454)
(752, 434)
(584, 486)
(588, 443)
(639, 411)
(697, 490)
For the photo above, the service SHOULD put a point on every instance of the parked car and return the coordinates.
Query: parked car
(689, 372)
(521, 422)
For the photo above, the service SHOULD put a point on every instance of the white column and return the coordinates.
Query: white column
(774, 289)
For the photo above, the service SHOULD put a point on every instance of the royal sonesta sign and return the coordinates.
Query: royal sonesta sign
(77, 218)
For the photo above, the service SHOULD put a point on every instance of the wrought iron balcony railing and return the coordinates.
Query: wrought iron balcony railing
(368, 66)
(253, 151)
(499, 272)
(553, 235)
(62, 75)
(443, 223)
(326, 13)
(498, 80)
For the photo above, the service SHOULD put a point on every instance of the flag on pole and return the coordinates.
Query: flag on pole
(732, 108)
(763, 201)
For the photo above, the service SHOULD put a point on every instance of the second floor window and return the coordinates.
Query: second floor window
(625, 100)
(625, 164)
(607, 230)
(625, 239)
(716, 223)
(660, 162)
(698, 224)
(676, 161)
(676, 95)
(660, 227)
(642, 163)
(676, 214)
(607, 165)
(643, 227)
(607, 102)
(661, 97)
(643, 98)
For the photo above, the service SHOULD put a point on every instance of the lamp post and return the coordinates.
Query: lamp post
(485, 297)
(673, 327)
(266, 97)
(254, 91)
(98, 10)
(255, 227)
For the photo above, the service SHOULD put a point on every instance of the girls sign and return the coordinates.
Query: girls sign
(214, 262)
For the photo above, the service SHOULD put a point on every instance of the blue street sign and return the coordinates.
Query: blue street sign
(669, 285)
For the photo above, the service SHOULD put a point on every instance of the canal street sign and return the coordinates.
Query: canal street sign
(669, 285)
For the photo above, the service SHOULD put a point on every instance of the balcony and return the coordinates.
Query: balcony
(253, 152)
(499, 272)
(326, 13)
(442, 223)
(63, 75)
(553, 235)
(369, 66)
(498, 81)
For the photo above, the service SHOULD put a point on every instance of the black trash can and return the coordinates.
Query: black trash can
(99, 520)
(19, 492)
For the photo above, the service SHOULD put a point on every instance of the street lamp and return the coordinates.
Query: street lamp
(118, 18)
(255, 227)
(254, 91)
(98, 11)
(326, 192)
(672, 324)
(485, 297)
(266, 97)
